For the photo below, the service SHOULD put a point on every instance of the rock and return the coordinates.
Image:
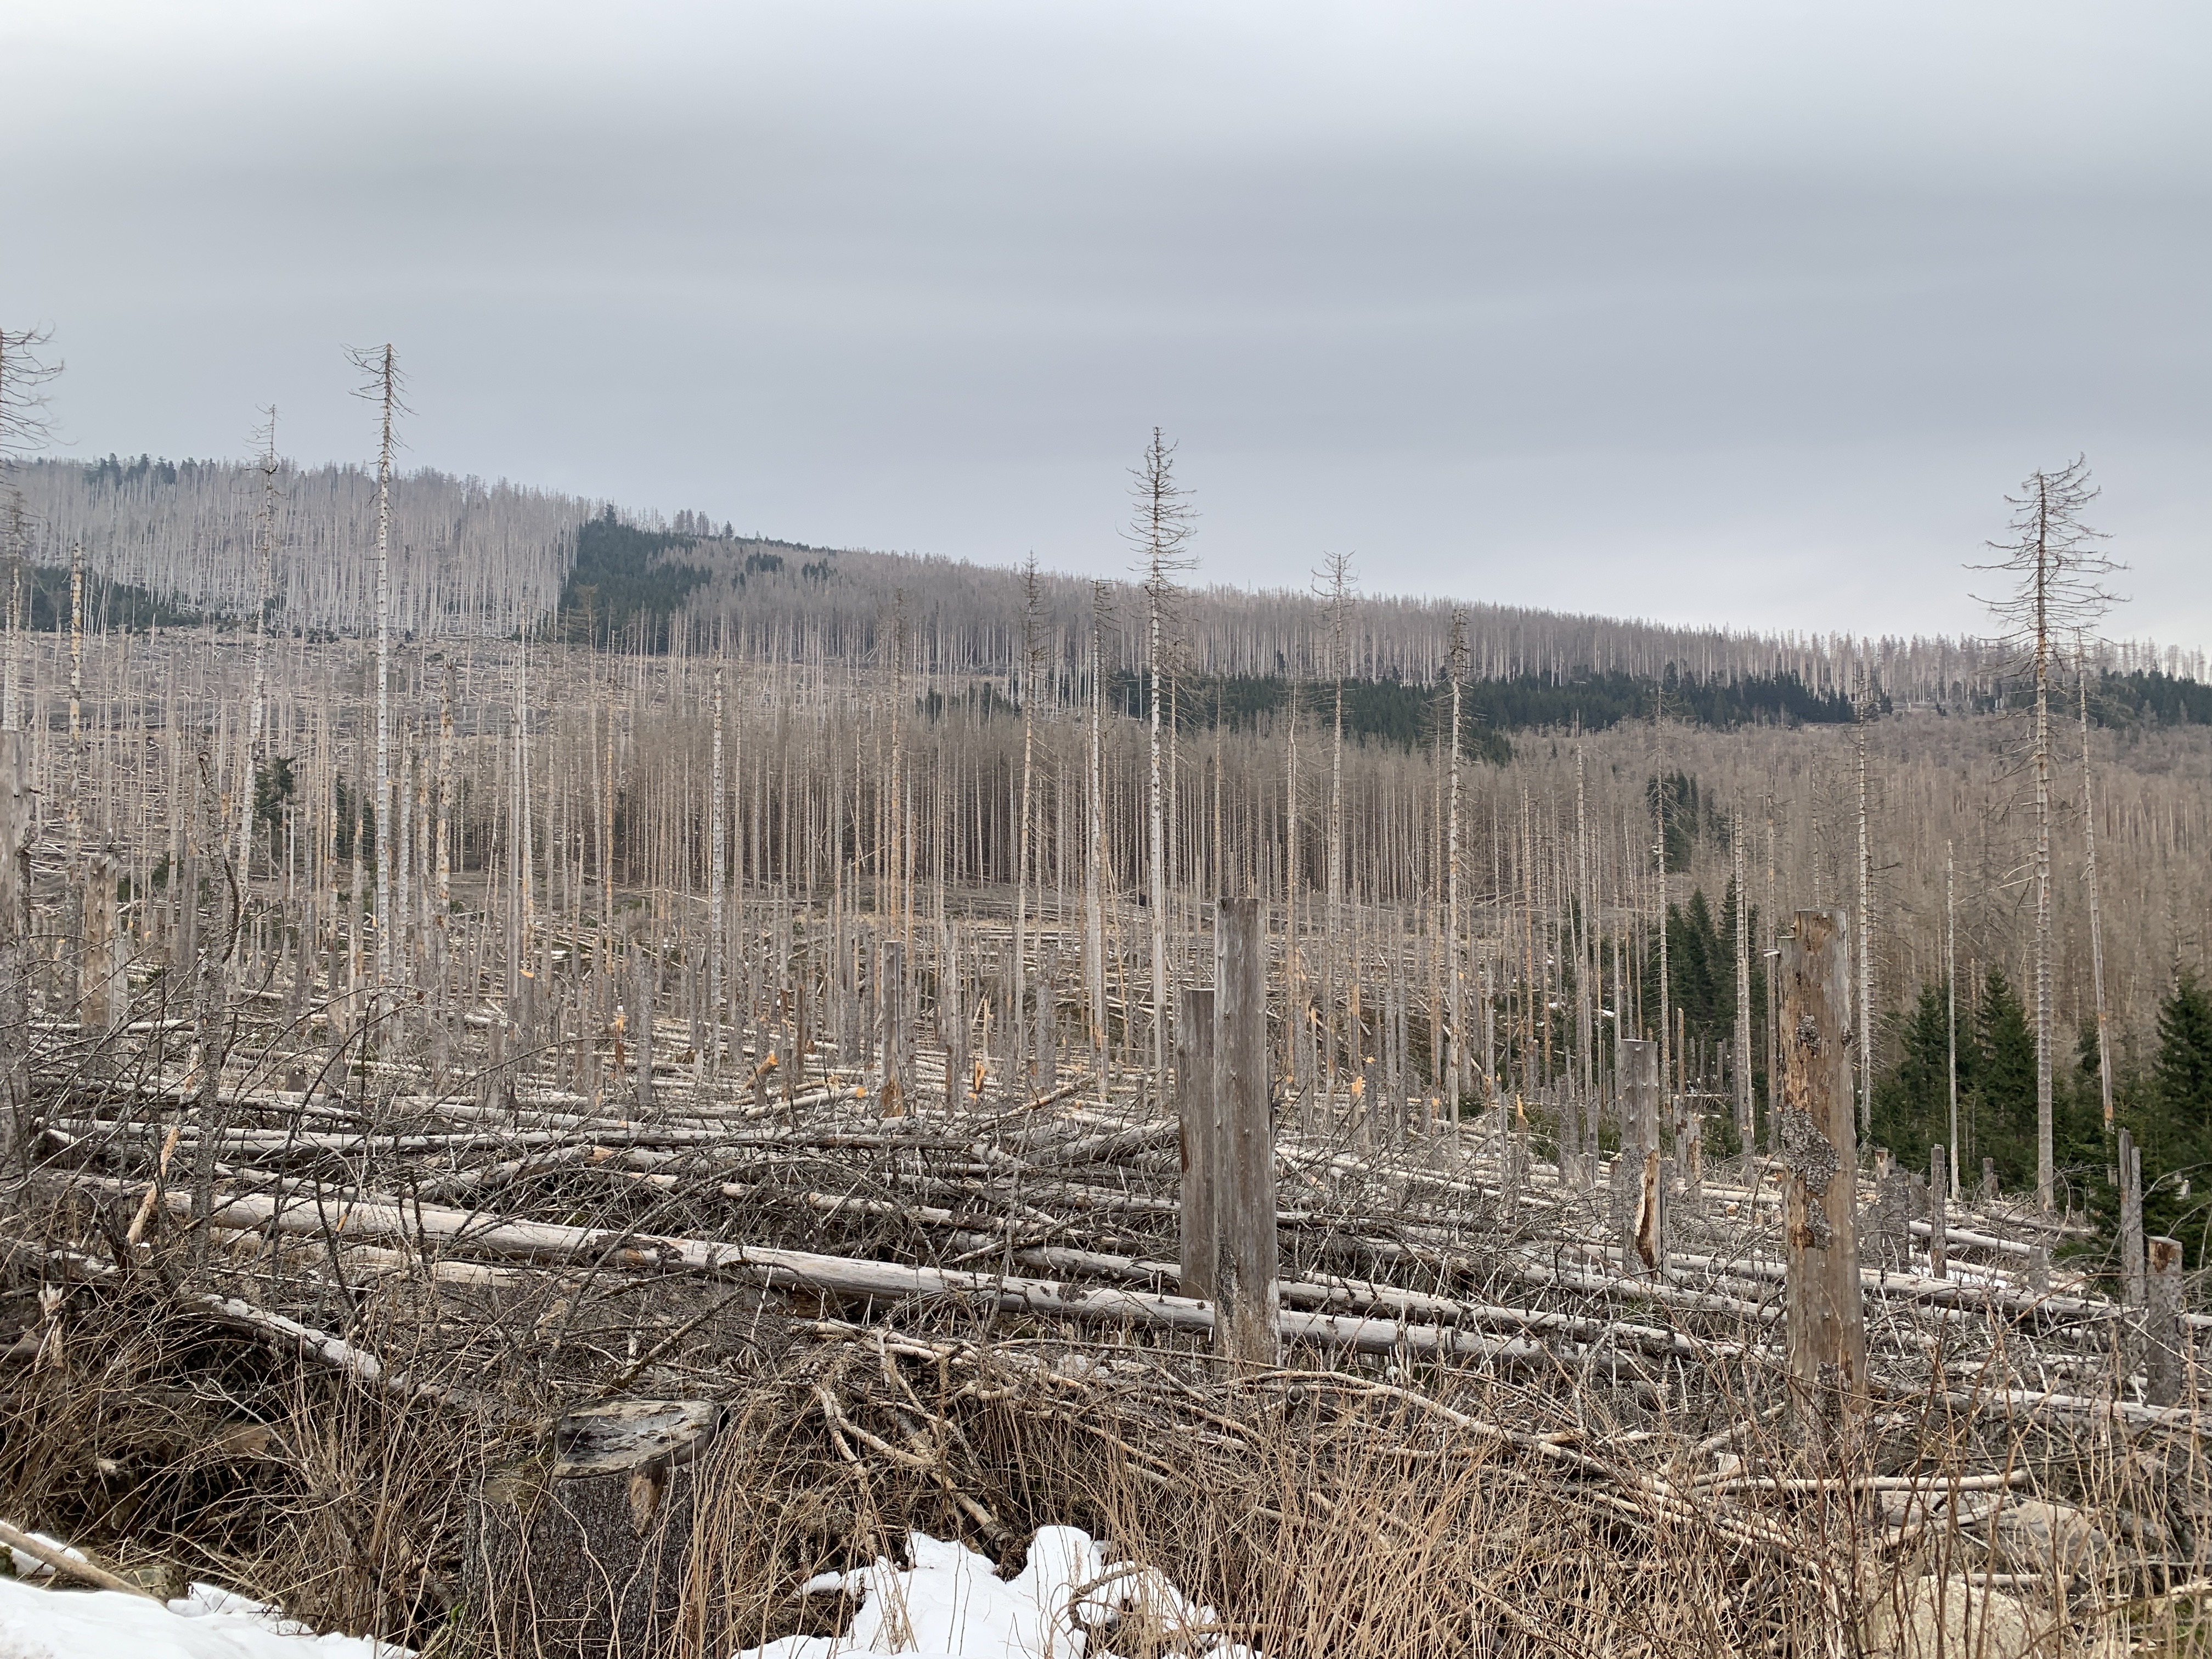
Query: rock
(1949, 1618)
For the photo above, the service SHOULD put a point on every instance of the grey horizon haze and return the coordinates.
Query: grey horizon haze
(1742, 314)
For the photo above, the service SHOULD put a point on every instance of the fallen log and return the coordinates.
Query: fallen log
(779, 1269)
(69, 1567)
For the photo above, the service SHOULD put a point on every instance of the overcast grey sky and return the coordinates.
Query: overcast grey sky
(1744, 314)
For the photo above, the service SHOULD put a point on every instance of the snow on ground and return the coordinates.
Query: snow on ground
(951, 1604)
(38, 1623)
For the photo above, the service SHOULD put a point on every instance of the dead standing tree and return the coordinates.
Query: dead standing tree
(381, 366)
(1094, 858)
(23, 428)
(1455, 1084)
(1027, 685)
(1161, 527)
(2054, 567)
(1333, 585)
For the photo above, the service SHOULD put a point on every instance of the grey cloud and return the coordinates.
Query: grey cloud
(1736, 314)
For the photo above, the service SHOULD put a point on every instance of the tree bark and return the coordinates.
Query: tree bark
(1825, 1322)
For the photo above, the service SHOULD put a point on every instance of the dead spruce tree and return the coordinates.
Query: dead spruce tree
(1094, 860)
(23, 428)
(1333, 585)
(270, 468)
(1027, 685)
(381, 367)
(2054, 566)
(1161, 528)
(1863, 712)
(1456, 1007)
(2089, 879)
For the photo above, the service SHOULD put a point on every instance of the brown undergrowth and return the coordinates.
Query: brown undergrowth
(1345, 1507)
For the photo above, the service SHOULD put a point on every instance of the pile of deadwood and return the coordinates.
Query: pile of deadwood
(479, 1360)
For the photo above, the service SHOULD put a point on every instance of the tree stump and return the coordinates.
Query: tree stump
(2167, 1335)
(1825, 1325)
(588, 1548)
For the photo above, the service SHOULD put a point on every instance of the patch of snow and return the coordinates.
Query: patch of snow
(951, 1604)
(209, 1624)
(29, 1566)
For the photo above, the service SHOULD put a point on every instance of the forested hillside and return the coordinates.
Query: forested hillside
(472, 559)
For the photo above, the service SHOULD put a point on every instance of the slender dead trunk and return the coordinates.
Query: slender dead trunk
(1456, 955)
(266, 553)
(1019, 1003)
(1951, 1006)
(1162, 529)
(387, 398)
(74, 805)
(14, 929)
(1666, 988)
(1094, 867)
(1744, 1128)
(1293, 945)
(2096, 908)
(717, 854)
(1865, 965)
(2046, 1171)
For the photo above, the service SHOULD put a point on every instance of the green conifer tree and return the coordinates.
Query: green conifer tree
(1912, 1102)
(2173, 1119)
(2004, 1099)
(2182, 1075)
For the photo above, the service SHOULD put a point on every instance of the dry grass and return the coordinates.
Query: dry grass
(1347, 1511)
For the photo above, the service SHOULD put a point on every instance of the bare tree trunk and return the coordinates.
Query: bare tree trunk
(1865, 1055)
(2096, 908)
(14, 929)
(2054, 560)
(1094, 865)
(1293, 943)
(1940, 1182)
(387, 393)
(74, 804)
(1030, 653)
(717, 856)
(1951, 1006)
(1456, 955)
(1667, 1056)
(1200, 1147)
(2046, 1172)
(1773, 992)
(2131, 1221)
(1825, 1322)
(1336, 575)
(1584, 1120)
(1243, 1209)
(2168, 1341)
(1162, 529)
(1157, 888)
(441, 916)
(1744, 1127)
(265, 536)
(1640, 1193)
(103, 993)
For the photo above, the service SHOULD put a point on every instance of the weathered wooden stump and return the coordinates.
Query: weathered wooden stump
(1896, 1199)
(2167, 1335)
(1244, 1206)
(1939, 1214)
(1825, 1325)
(588, 1548)
(1640, 1183)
